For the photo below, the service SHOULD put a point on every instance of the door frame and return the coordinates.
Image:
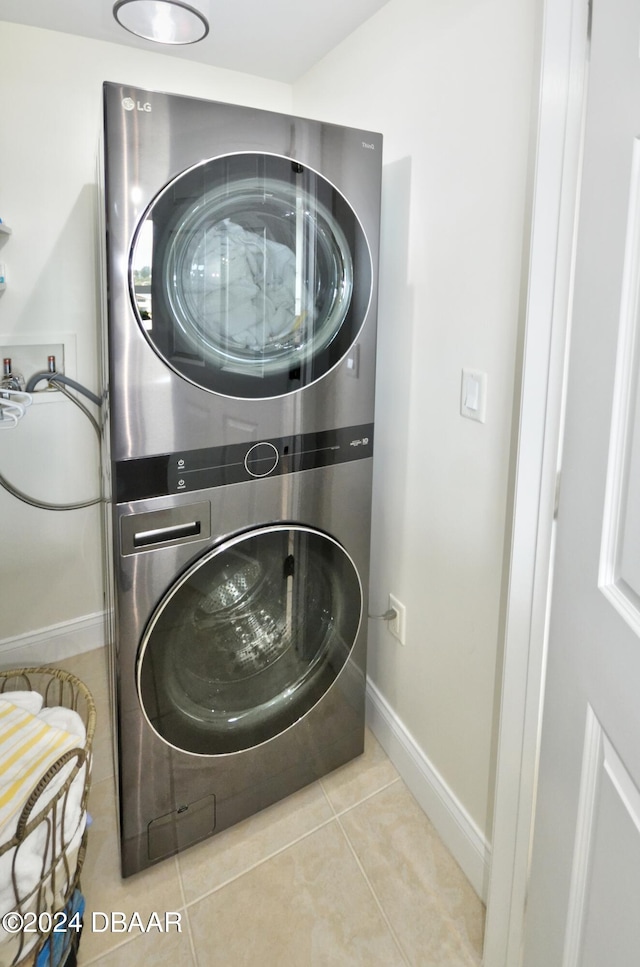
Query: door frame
(554, 182)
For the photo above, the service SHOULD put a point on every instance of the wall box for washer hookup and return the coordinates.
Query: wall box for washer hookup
(29, 355)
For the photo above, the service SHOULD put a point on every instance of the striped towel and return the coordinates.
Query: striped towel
(28, 747)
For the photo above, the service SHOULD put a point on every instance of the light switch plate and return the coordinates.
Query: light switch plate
(473, 395)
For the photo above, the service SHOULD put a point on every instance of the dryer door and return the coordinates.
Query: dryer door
(250, 275)
(249, 639)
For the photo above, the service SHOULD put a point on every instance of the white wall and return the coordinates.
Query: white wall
(449, 86)
(51, 83)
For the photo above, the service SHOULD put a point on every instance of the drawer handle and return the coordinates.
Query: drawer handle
(162, 534)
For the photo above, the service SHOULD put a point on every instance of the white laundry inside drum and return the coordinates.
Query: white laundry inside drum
(249, 288)
(259, 276)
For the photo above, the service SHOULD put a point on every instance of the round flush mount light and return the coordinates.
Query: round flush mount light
(163, 21)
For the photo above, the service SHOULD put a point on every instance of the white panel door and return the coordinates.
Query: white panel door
(584, 896)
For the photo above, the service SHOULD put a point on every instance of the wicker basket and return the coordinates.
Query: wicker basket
(60, 870)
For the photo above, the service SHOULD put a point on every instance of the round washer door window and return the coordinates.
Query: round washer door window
(251, 275)
(249, 639)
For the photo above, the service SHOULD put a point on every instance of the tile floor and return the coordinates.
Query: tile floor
(347, 871)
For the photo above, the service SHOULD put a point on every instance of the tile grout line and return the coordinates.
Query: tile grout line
(106, 953)
(192, 945)
(377, 902)
(340, 812)
(293, 842)
(131, 939)
(445, 915)
(261, 862)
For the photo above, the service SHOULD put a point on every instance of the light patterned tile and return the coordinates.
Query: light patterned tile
(357, 780)
(303, 904)
(426, 897)
(154, 890)
(309, 906)
(160, 949)
(210, 864)
(91, 668)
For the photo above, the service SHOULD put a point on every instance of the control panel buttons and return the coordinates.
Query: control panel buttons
(261, 459)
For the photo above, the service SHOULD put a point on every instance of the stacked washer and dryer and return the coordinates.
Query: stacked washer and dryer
(242, 252)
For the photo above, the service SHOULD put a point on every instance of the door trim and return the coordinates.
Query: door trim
(540, 380)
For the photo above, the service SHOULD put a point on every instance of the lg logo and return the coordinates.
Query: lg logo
(130, 105)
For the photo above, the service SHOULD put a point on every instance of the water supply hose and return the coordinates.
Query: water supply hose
(61, 378)
(61, 382)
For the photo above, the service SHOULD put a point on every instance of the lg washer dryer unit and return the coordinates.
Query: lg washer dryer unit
(241, 267)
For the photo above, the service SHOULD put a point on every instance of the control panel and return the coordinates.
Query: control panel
(201, 469)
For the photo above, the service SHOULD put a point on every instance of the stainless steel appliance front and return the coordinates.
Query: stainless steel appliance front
(241, 651)
(241, 264)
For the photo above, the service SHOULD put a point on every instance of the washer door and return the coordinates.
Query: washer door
(250, 275)
(249, 639)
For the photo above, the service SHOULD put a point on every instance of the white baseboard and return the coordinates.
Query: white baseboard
(54, 643)
(459, 833)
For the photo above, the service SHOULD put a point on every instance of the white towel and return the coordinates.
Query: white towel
(29, 745)
(29, 701)
(64, 719)
(69, 721)
(30, 868)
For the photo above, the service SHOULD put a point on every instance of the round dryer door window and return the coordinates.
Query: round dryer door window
(251, 275)
(249, 639)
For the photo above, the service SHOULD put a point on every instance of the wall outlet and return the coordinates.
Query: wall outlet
(397, 625)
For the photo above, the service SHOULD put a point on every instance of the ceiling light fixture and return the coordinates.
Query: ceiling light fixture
(164, 21)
